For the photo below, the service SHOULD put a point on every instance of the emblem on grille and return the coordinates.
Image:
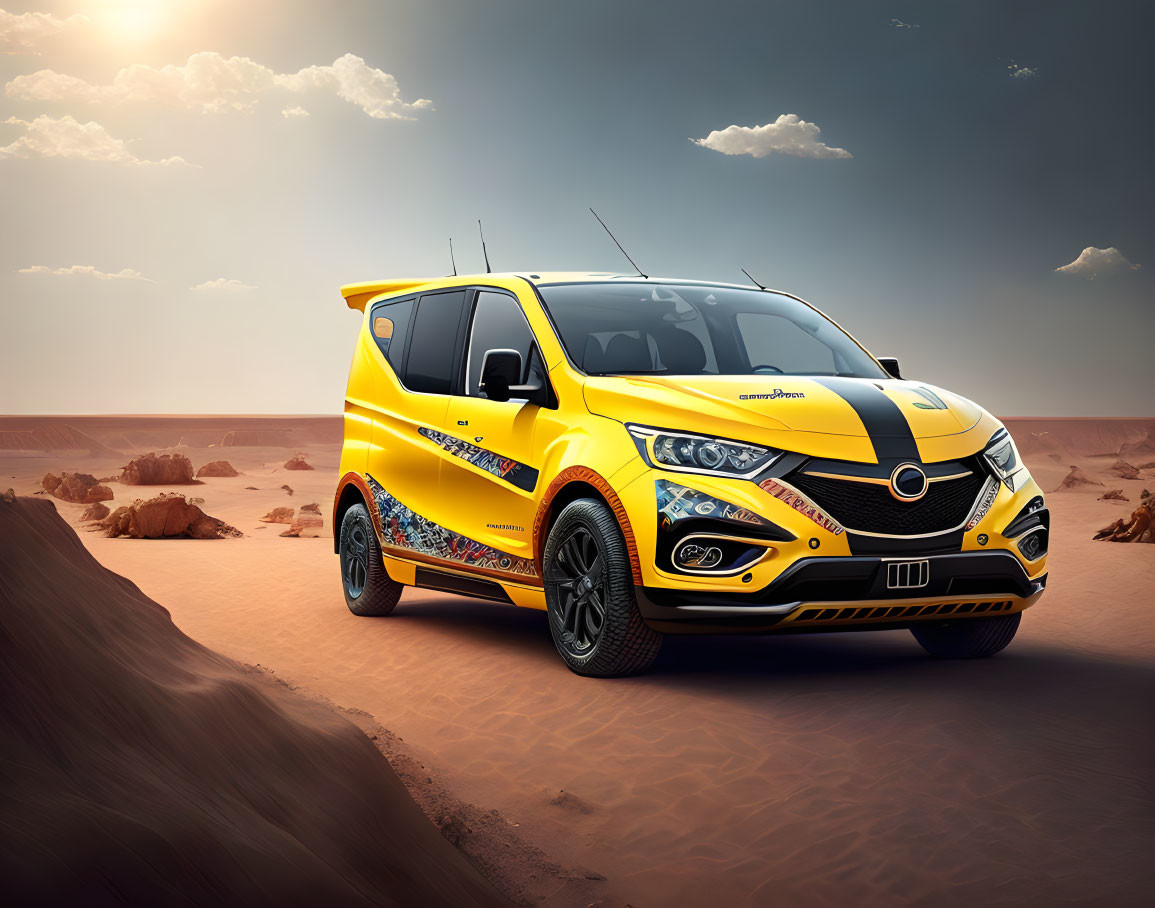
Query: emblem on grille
(907, 575)
(908, 482)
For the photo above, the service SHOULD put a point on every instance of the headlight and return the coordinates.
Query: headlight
(1005, 463)
(700, 453)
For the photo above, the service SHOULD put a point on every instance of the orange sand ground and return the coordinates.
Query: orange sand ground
(825, 770)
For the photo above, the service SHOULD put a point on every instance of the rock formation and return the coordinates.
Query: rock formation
(1076, 478)
(1139, 449)
(1137, 528)
(307, 524)
(96, 511)
(311, 508)
(153, 470)
(217, 468)
(297, 462)
(78, 488)
(167, 516)
(279, 515)
(288, 489)
(1114, 495)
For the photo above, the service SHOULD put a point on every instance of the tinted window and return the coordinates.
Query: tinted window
(390, 328)
(685, 329)
(498, 324)
(430, 364)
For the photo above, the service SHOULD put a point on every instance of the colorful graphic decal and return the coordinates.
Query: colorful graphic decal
(512, 471)
(676, 502)
(801, 505)
(988, 498)
(405, 529)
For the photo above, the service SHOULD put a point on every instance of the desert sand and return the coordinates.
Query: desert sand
(809, 770)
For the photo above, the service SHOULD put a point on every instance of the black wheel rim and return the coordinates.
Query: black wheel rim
(578, 577)
(355, 557)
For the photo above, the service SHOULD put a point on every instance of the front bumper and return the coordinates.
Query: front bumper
(849, 593)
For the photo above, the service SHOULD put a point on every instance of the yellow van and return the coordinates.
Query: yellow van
(640, 456)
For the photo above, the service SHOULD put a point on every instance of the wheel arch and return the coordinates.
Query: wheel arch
(568, 486)
(351, 490)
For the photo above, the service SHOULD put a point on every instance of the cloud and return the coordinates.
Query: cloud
(898, 23)
(125, 274)
(787, 135)
(210, 83)
(48, 137)
(1093, 262)
(20, 33)
(224, 284)
(294, 112)
(1022, 72)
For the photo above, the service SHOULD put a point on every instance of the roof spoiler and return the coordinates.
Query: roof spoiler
(357, 295)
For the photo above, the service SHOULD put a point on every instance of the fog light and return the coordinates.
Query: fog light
(693, 555)
(1034, 545)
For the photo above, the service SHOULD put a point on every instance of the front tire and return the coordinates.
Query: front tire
(369, 592)
(589, 594)
(969, 638)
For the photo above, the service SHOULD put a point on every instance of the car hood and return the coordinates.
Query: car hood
(843, 418)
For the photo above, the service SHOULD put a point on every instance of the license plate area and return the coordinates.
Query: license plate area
(907, 575)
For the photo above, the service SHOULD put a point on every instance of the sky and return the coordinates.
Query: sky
(185, 184)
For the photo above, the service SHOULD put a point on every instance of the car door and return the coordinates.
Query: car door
(495, 447)
(419, 342)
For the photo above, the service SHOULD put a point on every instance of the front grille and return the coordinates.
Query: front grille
(870, 508)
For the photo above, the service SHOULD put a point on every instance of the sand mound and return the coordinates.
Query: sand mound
(298, 462)
(1075, 479)
(162, 470)
(77, 488)
(57, 437)
(142, 769)
(1125, 470)
(218, 468)
(1140, 449)
(165, 517)
(1114, 495)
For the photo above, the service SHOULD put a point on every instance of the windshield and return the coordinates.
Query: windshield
(681, 329)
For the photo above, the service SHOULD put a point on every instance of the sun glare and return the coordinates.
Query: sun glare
(133, 20)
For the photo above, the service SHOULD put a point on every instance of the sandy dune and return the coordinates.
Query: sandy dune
(140, 767)
(823, 770)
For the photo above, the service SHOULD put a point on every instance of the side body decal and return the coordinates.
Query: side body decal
(402, 528)
(512, 471)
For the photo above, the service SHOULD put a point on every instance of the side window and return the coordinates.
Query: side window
(429, 367)
(771, 340)
(498, 324)
(390, 328)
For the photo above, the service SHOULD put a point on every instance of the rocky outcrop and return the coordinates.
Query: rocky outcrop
(153, 470)
(298, 462)
(96, 511)
(217, 468)
(168, 516)
(311, 508)
(1137, 528)
(77, 488)
(1125, 470)
(1138, 450)
(1075, 479)
(279, 515)
(288, 488)
(308, 523)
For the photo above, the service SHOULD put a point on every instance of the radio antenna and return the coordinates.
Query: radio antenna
(752, 281)
(488, 270)
(619, 245)
(452, 260)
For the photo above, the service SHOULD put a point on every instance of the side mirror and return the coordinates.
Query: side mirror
(500, 373)
(890, 364)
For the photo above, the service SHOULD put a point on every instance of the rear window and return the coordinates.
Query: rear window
(429, 367)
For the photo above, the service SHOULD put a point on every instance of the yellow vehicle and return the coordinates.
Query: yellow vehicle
(640, 456)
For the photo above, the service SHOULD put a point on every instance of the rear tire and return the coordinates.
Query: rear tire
(369, 592)
(970, 638)
(589, 594)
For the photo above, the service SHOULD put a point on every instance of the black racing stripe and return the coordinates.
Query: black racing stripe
(888, 429)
